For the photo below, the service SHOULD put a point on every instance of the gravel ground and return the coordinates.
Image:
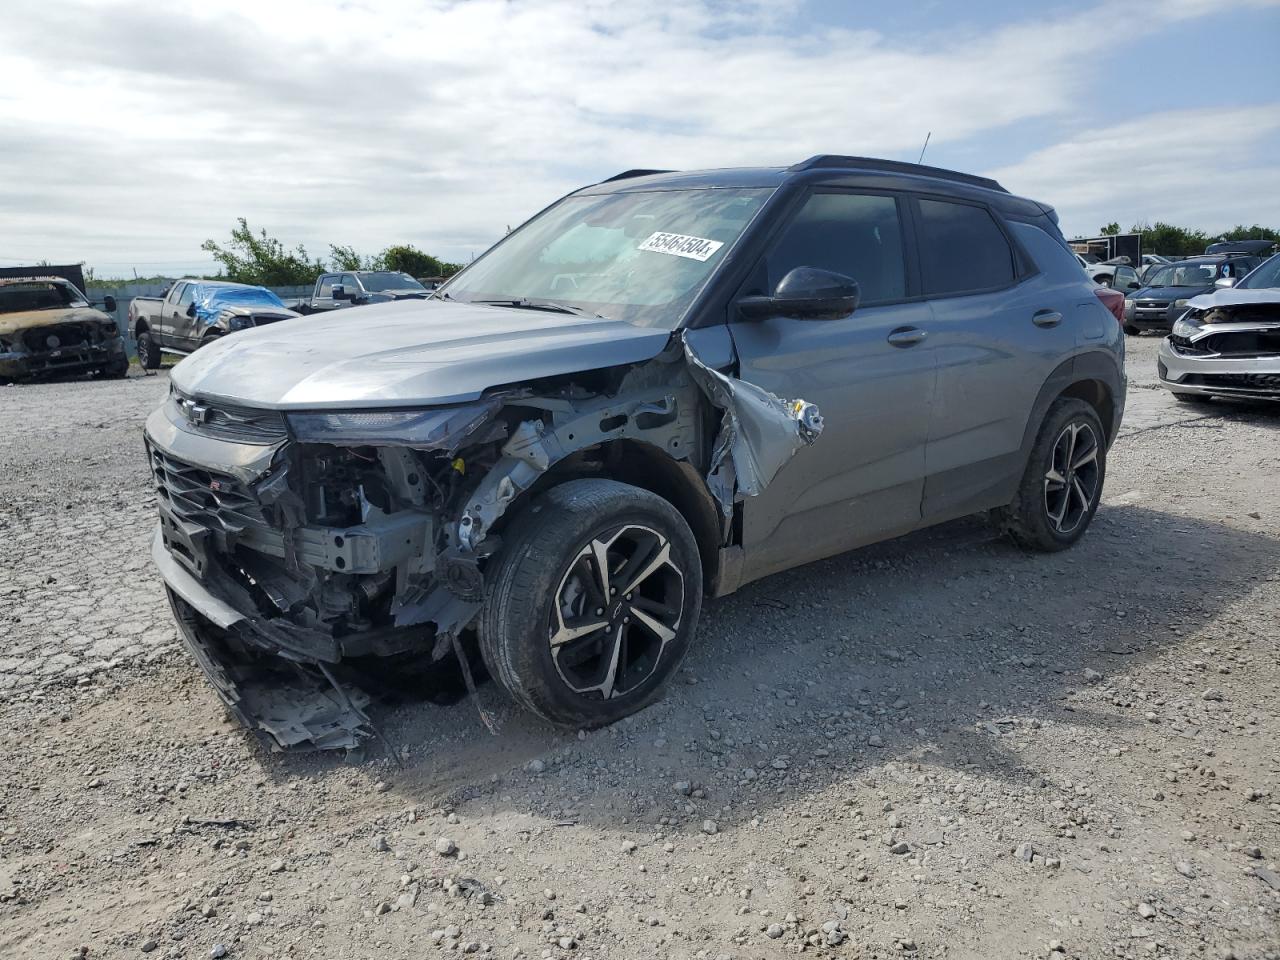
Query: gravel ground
(937, 747)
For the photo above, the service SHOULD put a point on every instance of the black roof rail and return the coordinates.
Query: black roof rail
(837, 162)
(628, 174)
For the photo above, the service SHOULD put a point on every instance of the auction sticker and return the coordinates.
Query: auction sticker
(678, 245)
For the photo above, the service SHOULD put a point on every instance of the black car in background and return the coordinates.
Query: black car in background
(1168, 288)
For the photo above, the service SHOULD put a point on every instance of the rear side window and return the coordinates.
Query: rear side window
(858, 235)
(962, 249)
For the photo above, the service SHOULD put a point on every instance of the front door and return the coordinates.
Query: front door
(871, 375)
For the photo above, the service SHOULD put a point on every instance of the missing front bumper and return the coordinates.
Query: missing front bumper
(290, 704)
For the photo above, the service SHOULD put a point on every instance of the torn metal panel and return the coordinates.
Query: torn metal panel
(759, 432)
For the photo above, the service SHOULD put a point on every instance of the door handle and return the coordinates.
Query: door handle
(907, 336)
(1046, 318)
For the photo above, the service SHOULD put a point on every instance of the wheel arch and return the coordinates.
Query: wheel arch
(650, 468)
(1094, 377)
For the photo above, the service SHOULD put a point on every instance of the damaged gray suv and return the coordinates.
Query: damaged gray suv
(612, 414)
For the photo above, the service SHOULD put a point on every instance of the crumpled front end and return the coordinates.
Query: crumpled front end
(306, 553)
(1228, 350)
(77, 342)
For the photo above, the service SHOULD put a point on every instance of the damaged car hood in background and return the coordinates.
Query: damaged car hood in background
(427, 352)
(29, 319)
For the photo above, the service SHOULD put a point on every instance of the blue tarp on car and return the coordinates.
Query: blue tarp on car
(212, 298)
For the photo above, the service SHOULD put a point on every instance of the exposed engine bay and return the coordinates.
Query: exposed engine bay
(298, 546)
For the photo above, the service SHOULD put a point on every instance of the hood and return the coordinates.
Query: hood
(1169, 293)
(235, 310)
(406, 353)
(1231, 297)
(27, 319)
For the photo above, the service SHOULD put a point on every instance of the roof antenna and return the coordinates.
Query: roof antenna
(926, 145)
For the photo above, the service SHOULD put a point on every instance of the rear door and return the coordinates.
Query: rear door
(999, 327)
(184, 330)
(164, 326)
(871, 374)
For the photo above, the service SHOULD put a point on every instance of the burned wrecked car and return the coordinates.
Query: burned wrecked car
(1227, 343)
(612, 413)
(48, 328)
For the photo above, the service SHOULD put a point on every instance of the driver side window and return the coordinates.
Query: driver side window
(188, 294)
(858, 235)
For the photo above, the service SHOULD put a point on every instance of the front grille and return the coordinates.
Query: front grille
(1266, 383)
(1151, 304)
(1242, 343)
(216, 501)
(230, 421)
(262, 319)
(62, 336)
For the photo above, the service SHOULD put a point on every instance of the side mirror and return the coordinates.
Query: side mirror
(109, 303)
(1222, 283)
(806, 293)
(1133, 285)
(340, 292)
(191, 309)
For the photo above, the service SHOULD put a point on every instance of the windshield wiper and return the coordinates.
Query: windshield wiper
(548, 305)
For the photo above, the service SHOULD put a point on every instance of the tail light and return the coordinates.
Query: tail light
(1113, 300)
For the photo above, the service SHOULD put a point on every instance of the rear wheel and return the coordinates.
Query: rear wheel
(592, 603)
(1062, 484)
(148, 351)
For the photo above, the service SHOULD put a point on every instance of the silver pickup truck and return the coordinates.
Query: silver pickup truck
(353, 288)
(196, 312)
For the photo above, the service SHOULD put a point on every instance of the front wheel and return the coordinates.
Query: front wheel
(148, 351)
(1062, 483)
(592, 603)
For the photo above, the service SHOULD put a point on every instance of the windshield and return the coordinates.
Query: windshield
(1184, 275)
(640, 257)
(1267, 275)
(39, 295)
(378, 282)
(220, 296)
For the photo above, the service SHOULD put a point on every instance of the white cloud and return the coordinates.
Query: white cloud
(134, 131)
(1202, 167)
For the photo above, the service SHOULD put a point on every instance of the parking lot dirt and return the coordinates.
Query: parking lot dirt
(936, 747)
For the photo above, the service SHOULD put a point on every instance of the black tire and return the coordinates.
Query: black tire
(1034, 519)
(1102, 281)
(1191, 397)
(545, 575)
(1131, 331)
(148, 351)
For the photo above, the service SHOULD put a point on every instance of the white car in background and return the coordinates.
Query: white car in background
(1115, 273)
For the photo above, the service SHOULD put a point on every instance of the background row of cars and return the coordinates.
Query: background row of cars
(194, 313)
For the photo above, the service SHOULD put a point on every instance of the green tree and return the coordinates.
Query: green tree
(407, 258)
(346, 258)
(1110, 230)
(1256, 232)
(257, 258)
(1171, 240)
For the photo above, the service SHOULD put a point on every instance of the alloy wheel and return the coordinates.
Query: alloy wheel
(1071, 482)
(617, 608)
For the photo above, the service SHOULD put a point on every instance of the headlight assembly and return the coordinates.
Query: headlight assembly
(438, 428)
(1179, 304)
(239, 323)
(1184, 328)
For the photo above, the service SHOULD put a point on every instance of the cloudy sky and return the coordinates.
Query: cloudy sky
(132, 131)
